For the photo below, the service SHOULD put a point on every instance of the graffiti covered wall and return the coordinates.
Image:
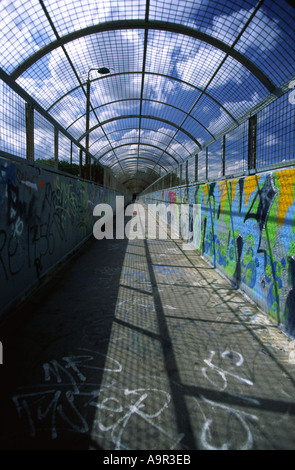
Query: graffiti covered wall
(44, 216)
(247, 229)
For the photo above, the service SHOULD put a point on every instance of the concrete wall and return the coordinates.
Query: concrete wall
(44, 216)
(247, 231)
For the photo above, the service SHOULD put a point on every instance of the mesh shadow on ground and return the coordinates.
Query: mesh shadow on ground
(138, 344)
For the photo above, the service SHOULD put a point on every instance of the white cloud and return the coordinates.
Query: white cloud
(261, 26)
(243, 105)
(20, 32)
(270, 140)
(195, 62)
(205, 61)
(217, 124)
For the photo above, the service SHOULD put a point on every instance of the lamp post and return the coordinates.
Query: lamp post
(101, 71)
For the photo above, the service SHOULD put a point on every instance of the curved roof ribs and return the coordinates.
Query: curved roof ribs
(143, 116)
(147, 117)
(169, 77)
(147, 25)
(145, 144)
(135, 143)
(141, 158)
(134, 178)
(159, 102)
(153, 25)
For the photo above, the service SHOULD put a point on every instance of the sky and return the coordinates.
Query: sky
(178, 68)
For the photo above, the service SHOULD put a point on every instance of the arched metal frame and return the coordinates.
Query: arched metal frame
(146, 26)
(134, 143)
(235, 46)
(165, 121)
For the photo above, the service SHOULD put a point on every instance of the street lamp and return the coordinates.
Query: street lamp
(101, 71)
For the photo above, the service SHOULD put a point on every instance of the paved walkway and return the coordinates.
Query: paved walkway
(142, 345)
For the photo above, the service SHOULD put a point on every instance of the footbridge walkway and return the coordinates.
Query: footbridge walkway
(140, 344)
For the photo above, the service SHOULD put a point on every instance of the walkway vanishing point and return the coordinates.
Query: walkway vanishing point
(140, 344)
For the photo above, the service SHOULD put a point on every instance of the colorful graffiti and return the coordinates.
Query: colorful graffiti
(248, 233)
(44, 217)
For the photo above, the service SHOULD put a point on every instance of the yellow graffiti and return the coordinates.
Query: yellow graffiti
(286, 180)
(233, 189)
(222, 187)
(250, 185)
(205, 190)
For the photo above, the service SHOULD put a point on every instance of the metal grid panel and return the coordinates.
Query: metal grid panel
(120, 50)
(192, 126)
(43, 138)
(24, 29)
(184, 57)
(111, 111)
(276, 134)
(71, 15)
(169, 90)
(165, 160)
(100, 147)
(158, 139)
(152, 152)
(171, 139)
(163, 112)
(77, 128)
(69, 108)
(181, 144)
(269, 41)
(165, 131)
(122, 124)
(202, 173)
(236, 150)
(128, 137)
(215, 160)
(75, 154)
(214, 117)
(12, 122)
(236, 88)
(109, 159)
(131, 151)
(98, 140)
(49, 78)
(191, 170)
(203, 14)
(64, 147)
(116, 88)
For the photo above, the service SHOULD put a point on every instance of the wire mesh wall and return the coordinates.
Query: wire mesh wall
(43, 139)
(27, 133)
(236, 149)
(12, 122)
(275, 142)
(263, 141)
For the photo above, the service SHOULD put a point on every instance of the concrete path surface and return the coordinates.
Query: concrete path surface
(140, 344)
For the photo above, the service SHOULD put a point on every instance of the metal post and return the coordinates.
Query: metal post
(71, 156)
(80, 163)
(55, 148)
(102, 71)
(223, 155)
(87, 127)
(252, 143)
(30, 131)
